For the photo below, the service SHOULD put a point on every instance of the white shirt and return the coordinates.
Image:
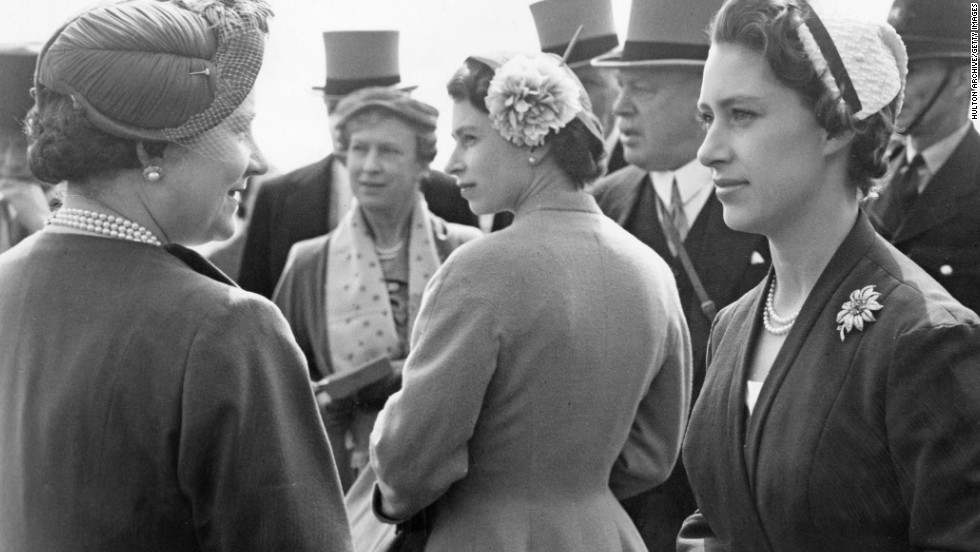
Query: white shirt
(340, 193)
(935, 155)
(693, 183)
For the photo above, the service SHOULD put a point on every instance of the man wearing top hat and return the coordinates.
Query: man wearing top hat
(23, 204)
(666, 198)
(556, 22)
(930, 207)
(309, 201)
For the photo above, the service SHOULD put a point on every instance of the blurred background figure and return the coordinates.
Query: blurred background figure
(550, 372)
(929, 207)
(311, 200)
(556, 22)
(667, 200)
(841, 409)
(352, 295)
(24, 205)
(147, 403)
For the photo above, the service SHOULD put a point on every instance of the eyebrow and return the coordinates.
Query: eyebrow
(728, 101)
(463, 128)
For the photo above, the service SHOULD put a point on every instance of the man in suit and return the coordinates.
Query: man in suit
(666, 196)
(310, 200)
(556, 22)
(930, 207)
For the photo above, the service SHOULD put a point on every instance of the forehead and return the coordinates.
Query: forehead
(465, 114)
(734, 70)
(656, 76)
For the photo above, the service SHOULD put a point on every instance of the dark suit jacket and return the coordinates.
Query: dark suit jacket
(722, 259)
(870, 443)
(295, 207)
(942, 232)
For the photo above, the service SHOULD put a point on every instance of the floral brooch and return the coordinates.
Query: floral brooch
(857, 310)
(529, 97)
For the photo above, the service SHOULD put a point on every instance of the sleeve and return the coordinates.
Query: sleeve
(933, 423)
(417, 450)
(654, 441)
(295, 295)
(254, 274)
(254, 461)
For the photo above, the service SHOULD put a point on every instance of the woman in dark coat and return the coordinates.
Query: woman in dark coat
(841, 409)
(147, 403)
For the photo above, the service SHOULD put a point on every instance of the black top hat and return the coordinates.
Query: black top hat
(665, 33)
(933, 29)
(359, 59)
(558, 20)
(16, 80)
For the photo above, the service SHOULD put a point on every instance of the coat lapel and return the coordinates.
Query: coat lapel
(940, 200)
(850, 252)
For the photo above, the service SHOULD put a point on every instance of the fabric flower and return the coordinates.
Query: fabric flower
(857, 310)
(529, 97)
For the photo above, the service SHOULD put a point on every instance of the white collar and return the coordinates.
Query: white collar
(936, 155)
(692, 180)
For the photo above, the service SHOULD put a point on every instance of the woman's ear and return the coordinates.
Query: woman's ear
(537, 153)
(838, 143)
(144, 156)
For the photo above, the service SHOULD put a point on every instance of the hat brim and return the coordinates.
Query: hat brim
(614, 60)
(589, 62)
(403, 87)
(932, 50)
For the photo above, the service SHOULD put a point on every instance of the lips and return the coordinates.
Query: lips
(466, 185)
(724, 183)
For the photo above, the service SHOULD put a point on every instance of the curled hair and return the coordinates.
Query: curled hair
(769, 28)
(64, 145)
(577, 152)
(425, 138)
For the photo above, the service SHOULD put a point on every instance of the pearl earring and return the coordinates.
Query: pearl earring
(152, 173)
(532, 160)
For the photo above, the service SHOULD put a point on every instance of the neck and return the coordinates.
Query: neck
(802, 249)
(921, 141)
(111, 200)
(546, 178)
(389, 227)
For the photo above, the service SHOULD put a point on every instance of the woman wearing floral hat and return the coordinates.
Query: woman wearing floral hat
(841, 409)
(549, 373)
(147, 403)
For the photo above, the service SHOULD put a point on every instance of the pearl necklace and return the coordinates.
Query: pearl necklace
(101, 223)
(388, 253)
(775, 324)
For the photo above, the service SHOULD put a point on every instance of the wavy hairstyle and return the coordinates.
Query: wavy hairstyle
(769, 28)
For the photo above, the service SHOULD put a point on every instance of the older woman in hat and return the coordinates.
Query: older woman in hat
(352, 296)
(841, 409)
(550, 366)
(146, 403)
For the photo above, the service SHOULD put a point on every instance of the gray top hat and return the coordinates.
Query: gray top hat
(557, 21)
(359, 59)
(933, 29)
(665, 33)
(17, 64)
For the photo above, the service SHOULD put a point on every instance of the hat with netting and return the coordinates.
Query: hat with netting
(160, 70)
(17, 64)
(862, 61)
(558, 20)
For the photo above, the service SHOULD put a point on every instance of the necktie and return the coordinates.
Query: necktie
(902, 192)
(677, 216)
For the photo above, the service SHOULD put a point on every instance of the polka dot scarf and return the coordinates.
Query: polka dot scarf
(360, 325)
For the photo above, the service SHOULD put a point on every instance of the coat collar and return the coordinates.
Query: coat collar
(558, 200)
(854, 247)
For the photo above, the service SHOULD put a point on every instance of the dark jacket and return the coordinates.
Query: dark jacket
(870, 443)
(942, 232)
(295, 207)
(729, 263)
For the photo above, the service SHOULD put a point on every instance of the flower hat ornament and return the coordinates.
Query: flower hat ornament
(857, 310)
(531, 95)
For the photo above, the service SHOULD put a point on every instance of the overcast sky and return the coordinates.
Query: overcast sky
(436, 35)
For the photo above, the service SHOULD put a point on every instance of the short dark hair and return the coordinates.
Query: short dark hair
(425, 138)
(64, 145)
(578, 153)
(769, 28)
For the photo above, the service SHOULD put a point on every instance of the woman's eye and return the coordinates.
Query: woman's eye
(705, 119)
(742, 115)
